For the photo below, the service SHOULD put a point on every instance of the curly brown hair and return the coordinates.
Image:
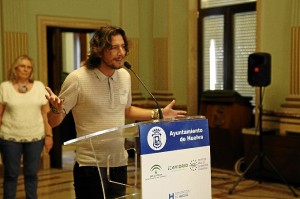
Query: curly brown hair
(102, 41)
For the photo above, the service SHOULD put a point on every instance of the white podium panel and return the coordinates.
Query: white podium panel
(175, 160)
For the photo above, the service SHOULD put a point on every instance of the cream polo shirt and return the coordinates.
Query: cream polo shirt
(22, 119)
(98, 102)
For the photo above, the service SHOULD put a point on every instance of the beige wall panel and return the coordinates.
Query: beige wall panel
(15, 44)
(133, 59)
(192, 85)
(161, 65)
(295, 57)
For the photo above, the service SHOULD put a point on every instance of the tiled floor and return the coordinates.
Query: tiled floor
(223, 181)
(58, 184)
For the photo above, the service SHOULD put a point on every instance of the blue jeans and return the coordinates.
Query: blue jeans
(87, 182)
(11, 156)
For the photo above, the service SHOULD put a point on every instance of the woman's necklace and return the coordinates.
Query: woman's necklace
(22, 88)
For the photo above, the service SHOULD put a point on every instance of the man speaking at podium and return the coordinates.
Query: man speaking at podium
(99, 96)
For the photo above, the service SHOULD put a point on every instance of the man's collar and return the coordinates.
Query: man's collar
(103, 77)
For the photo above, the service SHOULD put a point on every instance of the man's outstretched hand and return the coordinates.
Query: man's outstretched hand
(169, 112)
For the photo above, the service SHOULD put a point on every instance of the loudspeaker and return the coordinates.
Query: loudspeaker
(259, 69)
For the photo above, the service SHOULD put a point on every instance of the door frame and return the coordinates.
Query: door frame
(64, 22)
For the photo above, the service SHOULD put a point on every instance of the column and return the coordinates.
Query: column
(289, 114)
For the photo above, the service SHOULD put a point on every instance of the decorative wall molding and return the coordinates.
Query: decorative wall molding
(192, 67)
(15, 44)
(289, 114)
(14, 27)
(44, 21)
(161, 65)
(292, 103)
(133, 59)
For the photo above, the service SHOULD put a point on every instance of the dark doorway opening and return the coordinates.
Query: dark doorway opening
(56, 75)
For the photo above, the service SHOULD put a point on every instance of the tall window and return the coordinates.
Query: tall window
(244, 44)
(213, 52)
(227, 35)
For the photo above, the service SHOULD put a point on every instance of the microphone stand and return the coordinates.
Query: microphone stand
(160, 115)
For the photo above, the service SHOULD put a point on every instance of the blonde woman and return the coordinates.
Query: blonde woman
(24, 128)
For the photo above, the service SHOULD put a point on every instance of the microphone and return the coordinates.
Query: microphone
(158, 107)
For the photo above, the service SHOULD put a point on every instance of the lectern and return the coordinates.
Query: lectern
(172, 157)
